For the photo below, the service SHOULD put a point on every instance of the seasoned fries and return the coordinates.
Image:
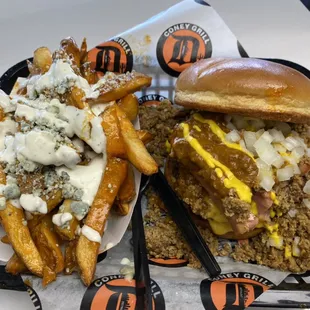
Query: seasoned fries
(65, 159)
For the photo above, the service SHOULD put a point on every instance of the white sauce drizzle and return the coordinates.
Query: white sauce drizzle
(33, 203)
(87, 178)
(8, 126)
(61, 219)
(91, 234)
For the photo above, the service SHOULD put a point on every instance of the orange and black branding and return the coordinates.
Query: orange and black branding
(171, 262)
(181, 45)
(114, 56)
(34, 297)
(202, 2)
(232, 290)
(116, 293)
(151, 100)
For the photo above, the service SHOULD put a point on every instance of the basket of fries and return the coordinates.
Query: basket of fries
(71, 154)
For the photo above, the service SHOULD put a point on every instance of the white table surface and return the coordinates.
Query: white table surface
(266, 28)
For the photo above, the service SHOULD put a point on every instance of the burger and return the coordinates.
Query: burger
(241, 160)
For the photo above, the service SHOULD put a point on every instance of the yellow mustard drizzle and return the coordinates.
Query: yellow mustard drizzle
(254, 208)
(242, 190)
(168, 146)
(271, 228)
(274, 198)
(272, 213)
(287, 251)
(197, 128)
(221, 134)
(219, 172)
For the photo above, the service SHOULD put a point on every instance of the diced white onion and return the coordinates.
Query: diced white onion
(284, 127)
(262, 165)
(242, 144)
(278, 162)
(296, 249)
(250, 139)
(265, 151)
(290, 159)
(259, 133)
(285, 173)
(293, 141)
(277, 135)
(266, 136)
(306, 202)
(227, 118)
(298, 152)
(257, 124)
(267, 183)
(306, 188)
(240, 122)
(233, 136)
(287, 145)
(296, 169)
(308, 152)
(231, 126)
(292, 213)
(278, 243)
(279, 148)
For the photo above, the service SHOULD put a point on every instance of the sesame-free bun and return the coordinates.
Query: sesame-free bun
(245, 86)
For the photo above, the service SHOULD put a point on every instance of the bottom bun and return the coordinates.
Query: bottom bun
(171, 174)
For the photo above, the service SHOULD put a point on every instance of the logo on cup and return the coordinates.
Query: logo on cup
(181, 45)
(235, 290)
(151, 100)
(116, 293)
(114, 56)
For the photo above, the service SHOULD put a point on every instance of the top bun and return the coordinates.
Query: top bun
(245, 86)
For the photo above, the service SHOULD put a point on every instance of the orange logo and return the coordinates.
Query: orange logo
(180, 46)
(232, 290)
(151, 100)
(114, 56)
(172, 262)
(116, 293)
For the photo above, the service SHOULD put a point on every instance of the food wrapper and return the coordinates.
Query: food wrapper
(161, 47)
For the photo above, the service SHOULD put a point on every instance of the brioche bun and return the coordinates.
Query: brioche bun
(245, 86)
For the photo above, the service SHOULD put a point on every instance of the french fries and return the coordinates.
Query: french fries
(130, 105)
(5, 239)
(15, 265)
(42, 59)
(41, 183)
(111, 127)
(144, 136)
(67, 232)
(87, 251)
(136, 151)
(130, 84)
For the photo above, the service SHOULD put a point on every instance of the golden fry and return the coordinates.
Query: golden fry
(48, 245)
(144, 136)
(42, 59)
(127, 192)
(89, 74)
(70, 257)
(122, 208)
(83, 52)
(76, 98)
(111, 127)
(114, 91)
(87, 251)
(130, 105)
(12, 220)
(15, 265)
(68, 232)
(69, 46)
(136, 151)
(5, 239)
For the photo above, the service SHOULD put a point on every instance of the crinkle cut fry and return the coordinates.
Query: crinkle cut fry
(19, 235)
(87, 251)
